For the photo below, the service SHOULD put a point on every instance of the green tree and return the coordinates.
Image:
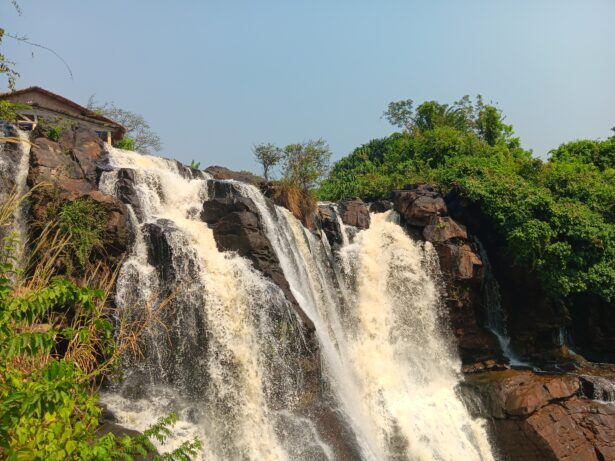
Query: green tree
(557, 218)
(305, 163)
(138, 132)
(268, 156)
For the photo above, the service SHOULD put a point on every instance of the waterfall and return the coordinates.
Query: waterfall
(212, 361)
(384, 350)
(497, 321)
(216, 356)
(14, 163)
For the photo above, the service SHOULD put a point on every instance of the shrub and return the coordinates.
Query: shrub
(82, 221)
(126, 144)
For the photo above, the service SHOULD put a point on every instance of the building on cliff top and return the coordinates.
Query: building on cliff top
(42, 104)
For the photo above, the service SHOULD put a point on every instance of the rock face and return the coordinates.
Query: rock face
(237, 227)
(419, 204)
(425, 214)
(380, 206)
(534, 321)
(354, 213)
(327, 219)
(68, 170)
(544, 417)
(222, 173)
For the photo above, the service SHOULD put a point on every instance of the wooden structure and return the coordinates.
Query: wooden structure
(47, 105)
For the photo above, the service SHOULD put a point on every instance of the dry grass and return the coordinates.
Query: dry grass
(37, 271)
(301, 203)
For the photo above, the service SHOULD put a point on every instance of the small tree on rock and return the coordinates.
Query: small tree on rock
(268, 156)
(138, 131)
(306, 163)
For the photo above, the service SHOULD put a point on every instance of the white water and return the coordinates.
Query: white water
(13, 175)
(216, 384)
(393, 371)
(375, 307)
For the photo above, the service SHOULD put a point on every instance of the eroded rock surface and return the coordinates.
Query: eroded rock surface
(544, 417)
(423, 211)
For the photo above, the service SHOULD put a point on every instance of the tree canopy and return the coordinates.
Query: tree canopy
(139, 135)
(556, 216)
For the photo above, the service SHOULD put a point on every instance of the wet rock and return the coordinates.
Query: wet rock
(424, 212)
(236, 225)
(126, 186)
(159, 251)
(418, 204)
(380, 206)
(354, 213)
(329, 224)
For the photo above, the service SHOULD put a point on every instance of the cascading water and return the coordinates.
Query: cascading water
(211, 363)
(218, 360)
(384, 352)
(496, 316)
(14, 162)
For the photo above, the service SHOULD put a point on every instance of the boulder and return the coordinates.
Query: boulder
(222, 173)
(442, 229)
(460, 261)
(418, 204)
(354, 213)
(329, 224)
(380, 206)
(543, 417)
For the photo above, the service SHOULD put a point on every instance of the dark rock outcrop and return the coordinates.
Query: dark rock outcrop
(534, 320)
(222, 173)
(419, 204)
(354, 213)
(236, 225)
(543, 417)
(70, 169)
(380, 206)
(327, 219)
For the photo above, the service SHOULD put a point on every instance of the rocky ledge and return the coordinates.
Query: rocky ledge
(425, 215)
(544, 417)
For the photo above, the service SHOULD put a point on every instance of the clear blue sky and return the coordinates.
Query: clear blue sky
(214, 77)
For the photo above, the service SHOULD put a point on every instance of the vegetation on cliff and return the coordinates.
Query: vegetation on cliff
(57, 343)
(556, 216)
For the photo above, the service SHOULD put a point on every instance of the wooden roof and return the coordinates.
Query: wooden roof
(83, 111)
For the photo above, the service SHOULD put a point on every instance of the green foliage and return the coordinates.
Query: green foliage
(80, 224)
(83, 222)
(305, 163)
(126, 143)
(268, 156)
(8, 110)
(556, 217)
(56, 341)
(195, 165)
